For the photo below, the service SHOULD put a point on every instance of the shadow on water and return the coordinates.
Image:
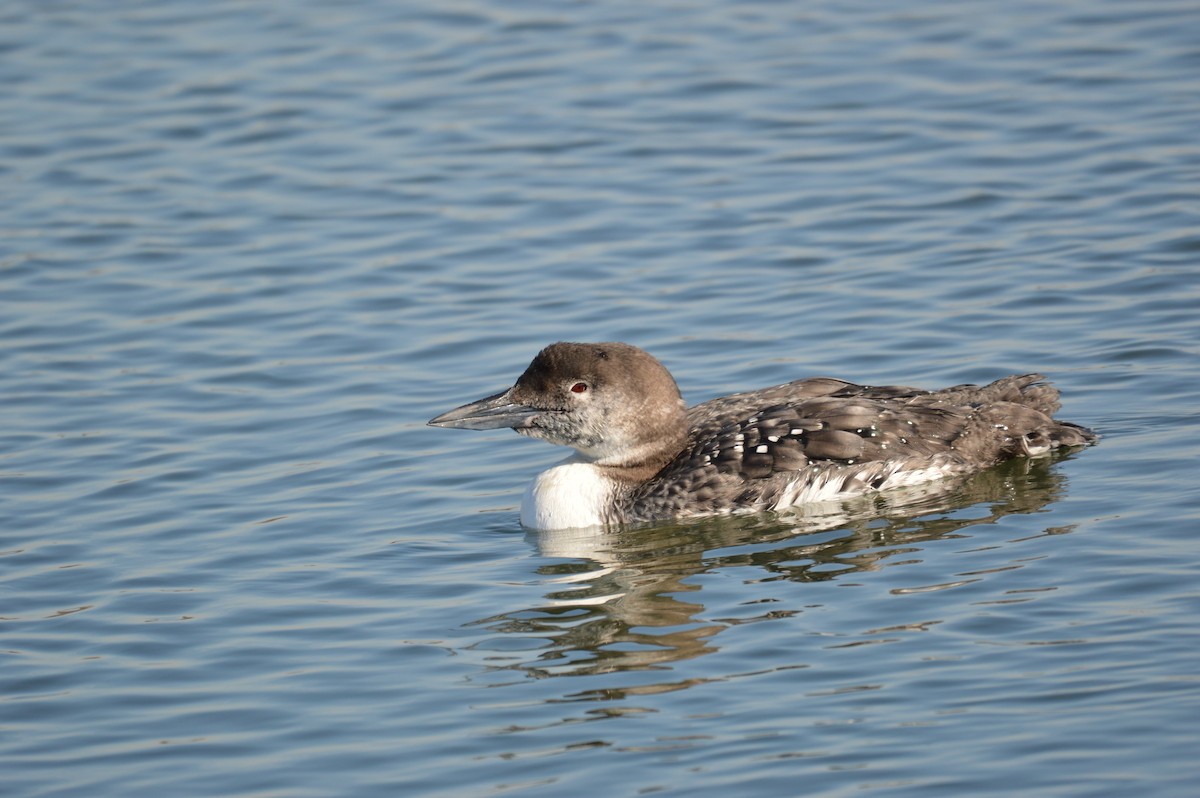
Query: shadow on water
(626, 599)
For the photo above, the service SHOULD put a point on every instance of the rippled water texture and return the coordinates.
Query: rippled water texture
(248, 249)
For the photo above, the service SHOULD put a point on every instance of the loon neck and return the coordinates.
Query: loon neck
(637, 471)
(634, 464)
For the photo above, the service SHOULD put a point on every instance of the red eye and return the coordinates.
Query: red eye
(579, 387)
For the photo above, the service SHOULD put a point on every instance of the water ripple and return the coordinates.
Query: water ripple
(248, 250)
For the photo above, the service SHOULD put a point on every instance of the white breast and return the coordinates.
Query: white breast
(569, 495)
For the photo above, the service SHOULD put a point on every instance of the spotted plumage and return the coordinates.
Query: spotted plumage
(642, 456)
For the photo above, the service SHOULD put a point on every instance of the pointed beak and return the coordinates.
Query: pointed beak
(494, 412)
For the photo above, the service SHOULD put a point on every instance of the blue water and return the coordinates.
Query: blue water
(248, 249)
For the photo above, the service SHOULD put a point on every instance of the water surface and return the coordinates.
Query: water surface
(248, 250)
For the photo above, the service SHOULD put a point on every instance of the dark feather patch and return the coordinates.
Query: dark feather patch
(744, 450)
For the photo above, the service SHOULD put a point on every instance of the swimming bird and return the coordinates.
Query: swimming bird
(642, 455)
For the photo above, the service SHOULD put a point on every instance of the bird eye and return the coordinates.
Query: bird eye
(579, 387)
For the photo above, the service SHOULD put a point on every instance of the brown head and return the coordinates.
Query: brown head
(613, 403)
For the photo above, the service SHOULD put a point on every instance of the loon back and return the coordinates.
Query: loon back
(642, 456)
(821, 439)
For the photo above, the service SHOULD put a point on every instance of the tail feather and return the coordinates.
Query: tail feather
(1029, 390)
(1014, 417)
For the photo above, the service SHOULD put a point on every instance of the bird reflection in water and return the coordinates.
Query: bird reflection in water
(624, 599)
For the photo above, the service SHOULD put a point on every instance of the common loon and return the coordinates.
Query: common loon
(642, 455)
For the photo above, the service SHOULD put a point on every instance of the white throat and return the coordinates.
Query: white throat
(572, 494)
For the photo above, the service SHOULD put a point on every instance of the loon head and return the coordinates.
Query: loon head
(611, 402)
